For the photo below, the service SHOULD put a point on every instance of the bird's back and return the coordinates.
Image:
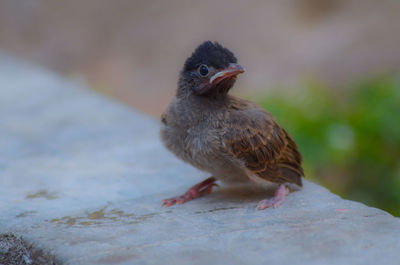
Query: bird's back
(267, 151)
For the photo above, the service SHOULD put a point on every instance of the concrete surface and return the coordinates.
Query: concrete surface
(82, 176)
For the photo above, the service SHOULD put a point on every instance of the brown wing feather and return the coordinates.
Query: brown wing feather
(267, 150)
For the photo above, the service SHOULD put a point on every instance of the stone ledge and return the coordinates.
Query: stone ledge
(83, 176)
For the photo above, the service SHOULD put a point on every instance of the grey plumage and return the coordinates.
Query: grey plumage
(233, 139)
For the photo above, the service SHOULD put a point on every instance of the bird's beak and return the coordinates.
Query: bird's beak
(231, 71)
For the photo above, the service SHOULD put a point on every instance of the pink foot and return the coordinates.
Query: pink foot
(203, 188)
(277, 200)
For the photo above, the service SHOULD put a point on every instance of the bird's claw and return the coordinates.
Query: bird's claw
(276, 201)
(198, 190)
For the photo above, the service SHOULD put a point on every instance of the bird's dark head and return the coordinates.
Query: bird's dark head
(210, 71)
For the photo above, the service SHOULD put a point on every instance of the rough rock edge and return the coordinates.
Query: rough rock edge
(16, 251)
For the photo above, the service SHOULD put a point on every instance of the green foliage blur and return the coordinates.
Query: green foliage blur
(349, 138)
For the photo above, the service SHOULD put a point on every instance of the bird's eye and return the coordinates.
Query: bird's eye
(203, 70)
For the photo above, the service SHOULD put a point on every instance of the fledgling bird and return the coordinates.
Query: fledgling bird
(233, 139)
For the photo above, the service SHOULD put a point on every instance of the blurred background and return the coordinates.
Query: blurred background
(327, 69)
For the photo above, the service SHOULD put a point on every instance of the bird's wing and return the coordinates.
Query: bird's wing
(266, 150)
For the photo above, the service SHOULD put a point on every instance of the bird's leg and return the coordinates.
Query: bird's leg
(200, 189)
(277, 200)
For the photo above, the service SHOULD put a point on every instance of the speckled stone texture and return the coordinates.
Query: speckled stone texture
(83, 177)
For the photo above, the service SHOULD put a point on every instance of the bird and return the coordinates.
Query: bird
(233, 139)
